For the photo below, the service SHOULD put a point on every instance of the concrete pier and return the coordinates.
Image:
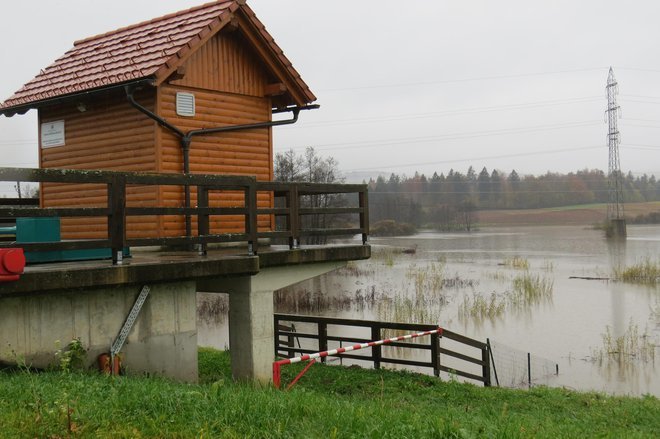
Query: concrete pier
(162, 342)
(617, 228)
(251, 332)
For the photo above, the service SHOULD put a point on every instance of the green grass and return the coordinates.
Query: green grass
(328, 402)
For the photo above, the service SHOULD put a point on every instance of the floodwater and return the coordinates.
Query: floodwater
(568, 320)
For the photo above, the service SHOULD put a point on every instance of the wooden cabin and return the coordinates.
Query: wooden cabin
(210, 66)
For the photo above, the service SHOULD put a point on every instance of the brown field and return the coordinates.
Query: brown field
(567, 215)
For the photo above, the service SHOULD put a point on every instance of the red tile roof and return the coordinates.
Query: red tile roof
(148, 50)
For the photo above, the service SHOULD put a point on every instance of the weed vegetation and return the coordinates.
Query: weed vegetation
(646, 272)
(329, 401)
(631, 346)
(516, 262)
(526, 290)
(482, 307)
(530, 289)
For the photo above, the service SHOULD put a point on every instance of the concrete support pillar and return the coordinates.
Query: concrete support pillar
(251, 332)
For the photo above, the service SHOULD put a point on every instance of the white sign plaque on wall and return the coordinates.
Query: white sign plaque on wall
(52, 134)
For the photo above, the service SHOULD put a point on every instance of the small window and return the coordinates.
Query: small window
(185, 104)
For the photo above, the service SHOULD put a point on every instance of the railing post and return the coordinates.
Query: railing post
(251, 224)
(364, 214)
(435, 354)
(376, 352)
(203, 227)
(485, 359)
(289, 218)
(293, 202)
(117, 218)
(323, 338)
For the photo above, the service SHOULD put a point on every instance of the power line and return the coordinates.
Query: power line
(459, 80)
(446, 113)
(452, 136)
(477, 192)
(12, 142)
(639, 69)
(499, 156)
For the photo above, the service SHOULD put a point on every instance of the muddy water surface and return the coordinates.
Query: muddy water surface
(565, 318)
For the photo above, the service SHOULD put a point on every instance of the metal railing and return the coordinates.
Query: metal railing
(117, 211)
(285, 347)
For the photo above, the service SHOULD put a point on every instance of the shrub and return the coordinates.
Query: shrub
(392, 228)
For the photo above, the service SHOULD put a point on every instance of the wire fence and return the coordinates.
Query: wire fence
(515, 368)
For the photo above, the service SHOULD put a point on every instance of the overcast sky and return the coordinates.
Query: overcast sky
(414, 85)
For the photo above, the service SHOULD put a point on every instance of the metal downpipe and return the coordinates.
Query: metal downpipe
(186, 138)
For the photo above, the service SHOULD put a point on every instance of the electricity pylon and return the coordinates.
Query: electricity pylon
(615, 213)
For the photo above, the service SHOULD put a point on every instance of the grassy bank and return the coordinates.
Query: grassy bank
(328, 402)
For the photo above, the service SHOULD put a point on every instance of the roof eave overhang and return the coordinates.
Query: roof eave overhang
(298, 89)
(24, 108)
(281, 67)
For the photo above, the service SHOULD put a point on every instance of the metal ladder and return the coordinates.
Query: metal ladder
(128, 325)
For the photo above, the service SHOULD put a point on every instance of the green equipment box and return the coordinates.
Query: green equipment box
(47, 229)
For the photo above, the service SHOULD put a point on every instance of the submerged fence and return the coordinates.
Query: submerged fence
(303, 338)
(312, 357)
(444, 351)
(515, 368)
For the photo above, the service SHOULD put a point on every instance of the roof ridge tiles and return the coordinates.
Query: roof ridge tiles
(153, 21)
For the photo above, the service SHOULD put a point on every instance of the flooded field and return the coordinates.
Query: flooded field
(550, 291)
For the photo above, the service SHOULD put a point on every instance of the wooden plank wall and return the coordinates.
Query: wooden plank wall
(108, 135)
(226, 64)
(228, 82)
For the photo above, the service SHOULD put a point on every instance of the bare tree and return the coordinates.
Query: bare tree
(311, 168)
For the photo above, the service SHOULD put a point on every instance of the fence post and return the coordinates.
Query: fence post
(492, 360)
(276, 338)
(376, 352)
(485, 360)
(323, 338)
(435, 354)
(291, 342)
(529, 370)
(203, 227)
(117, 218)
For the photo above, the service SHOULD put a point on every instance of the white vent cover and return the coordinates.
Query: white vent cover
(185, 104)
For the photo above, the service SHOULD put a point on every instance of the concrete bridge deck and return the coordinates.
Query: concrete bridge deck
(146, 266)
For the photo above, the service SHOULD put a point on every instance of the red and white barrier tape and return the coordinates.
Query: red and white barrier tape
(278, 364)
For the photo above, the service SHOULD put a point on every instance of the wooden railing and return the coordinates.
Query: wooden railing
(286, 347)
(116, 211)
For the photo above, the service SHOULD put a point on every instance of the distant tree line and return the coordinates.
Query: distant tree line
(449, 201)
